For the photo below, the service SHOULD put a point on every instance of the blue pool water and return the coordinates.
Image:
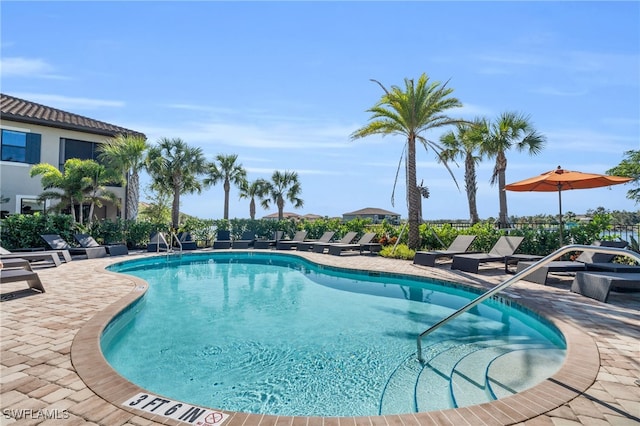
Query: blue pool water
(276, 334)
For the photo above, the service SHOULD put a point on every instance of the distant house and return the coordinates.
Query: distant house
(375, 214)
(285, 215)
(31, 133)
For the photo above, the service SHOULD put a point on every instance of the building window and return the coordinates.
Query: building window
(20, 147)
(31, 206)
(72, 148)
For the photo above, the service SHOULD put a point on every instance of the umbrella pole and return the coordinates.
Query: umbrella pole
(560, 214)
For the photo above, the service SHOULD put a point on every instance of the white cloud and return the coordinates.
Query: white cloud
(69, 102)
(28, 68)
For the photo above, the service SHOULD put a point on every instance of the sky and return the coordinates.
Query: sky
(284, 84)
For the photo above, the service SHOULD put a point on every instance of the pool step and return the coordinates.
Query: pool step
(400, 390)
(534, 361)
(440, 369)
(469, 380)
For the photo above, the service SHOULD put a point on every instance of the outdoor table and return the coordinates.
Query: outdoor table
(515, 258)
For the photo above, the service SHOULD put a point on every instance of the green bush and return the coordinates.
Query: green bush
(23, 230)
(401, 251)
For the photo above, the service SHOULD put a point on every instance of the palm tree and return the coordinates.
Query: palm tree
(96, 177)
(465, 143)
(174, 168)
(410, 112)
(253, 190)
(282, 186)
(511, 129)
(82, 180)
(226, 170)
(65, 187)
(127, 153)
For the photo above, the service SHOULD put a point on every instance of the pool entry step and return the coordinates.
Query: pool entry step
(468, 371)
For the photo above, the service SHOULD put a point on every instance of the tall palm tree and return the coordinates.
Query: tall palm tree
(465, 143)
(127, 153)
(283, 186)
(174, 168)
(253, 190)
(409, 112)
(510, 130)
(226, 170)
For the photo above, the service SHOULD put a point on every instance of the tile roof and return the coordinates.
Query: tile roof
(16, 109)
(371, 210)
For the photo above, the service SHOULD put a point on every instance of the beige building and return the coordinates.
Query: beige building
(375, 214)
(32, 133)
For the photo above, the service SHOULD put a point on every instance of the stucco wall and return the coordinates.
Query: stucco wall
(15, 181)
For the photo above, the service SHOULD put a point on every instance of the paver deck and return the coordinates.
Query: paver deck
(51, 370)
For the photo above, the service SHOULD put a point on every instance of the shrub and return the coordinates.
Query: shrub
(401, 251)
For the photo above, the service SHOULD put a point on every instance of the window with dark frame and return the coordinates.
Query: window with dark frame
(20, 147)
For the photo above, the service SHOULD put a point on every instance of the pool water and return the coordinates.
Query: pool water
(275, 334)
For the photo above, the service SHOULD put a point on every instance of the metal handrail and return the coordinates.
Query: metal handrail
(170, 245)
(520, 275)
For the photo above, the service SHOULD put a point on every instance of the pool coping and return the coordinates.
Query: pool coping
(576, 375)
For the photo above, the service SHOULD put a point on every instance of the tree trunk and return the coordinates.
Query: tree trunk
(227, 188)
(501, 165)
(175, 209)
(412, 195)
(280, 208)
(252, 208)
(133, 196)
(471, 187)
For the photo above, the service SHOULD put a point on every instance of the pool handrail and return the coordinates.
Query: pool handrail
(545, 260)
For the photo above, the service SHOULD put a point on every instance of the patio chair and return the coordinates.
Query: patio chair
(223, 240)
(292, 243)
(87, 241)
(53, 256)
(470, 262)
(308, 245)
(364, 244)
(246, 240)
(460, 245)
(15, 275)
(56, 242)
(186, 241)
(598, 285)
(266, 244)
(347, 239)
(600, 261)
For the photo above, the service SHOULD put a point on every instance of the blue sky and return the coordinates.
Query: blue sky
(284, 84)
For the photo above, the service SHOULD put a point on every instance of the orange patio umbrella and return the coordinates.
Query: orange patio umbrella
(560, 180)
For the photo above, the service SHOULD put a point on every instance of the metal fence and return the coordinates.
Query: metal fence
(625, 232)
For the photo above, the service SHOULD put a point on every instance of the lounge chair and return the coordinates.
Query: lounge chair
(186, 241)
(308, 245)
(16, 263)
(246, 240)
(56, 242)
(292, 243)
(87, 241)
(599, 260)
(15, 275)
(347, 239)
(223, 240)
(364, 244)
(460, 245)
(598, 285)
(470, 262)
(157, 243)
(266, 244)
(54, 256)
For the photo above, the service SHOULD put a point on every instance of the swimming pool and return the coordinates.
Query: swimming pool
(273, 333)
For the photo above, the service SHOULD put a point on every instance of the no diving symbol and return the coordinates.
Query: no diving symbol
(212, 418)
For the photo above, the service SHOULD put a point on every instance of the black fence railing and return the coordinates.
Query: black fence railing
(625, 232)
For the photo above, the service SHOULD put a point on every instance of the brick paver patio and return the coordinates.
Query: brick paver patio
(52, 371)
